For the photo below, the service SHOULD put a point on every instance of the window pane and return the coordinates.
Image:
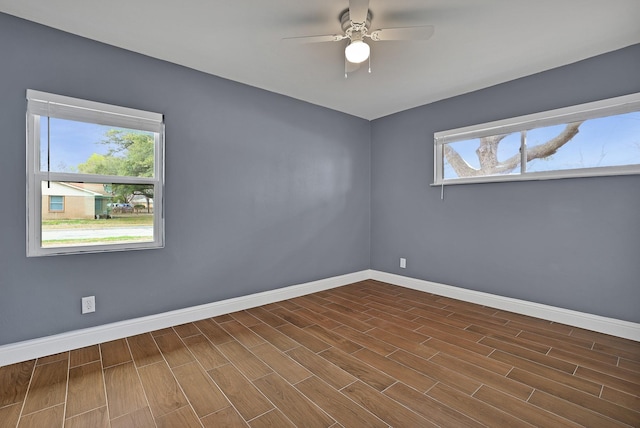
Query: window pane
(606, 141)
(493, 155)
(97, 214)
(56, 203)
(71, 146)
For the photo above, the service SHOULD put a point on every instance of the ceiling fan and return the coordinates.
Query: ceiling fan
(356, 25)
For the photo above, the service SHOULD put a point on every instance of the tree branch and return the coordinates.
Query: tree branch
(459, 165)
(487, 153)
(551, 147)
(542, 150)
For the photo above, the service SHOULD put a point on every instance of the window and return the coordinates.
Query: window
(599, 138)
(95, 176)
(56, 203)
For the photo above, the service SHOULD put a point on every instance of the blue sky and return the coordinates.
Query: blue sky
(72, 143)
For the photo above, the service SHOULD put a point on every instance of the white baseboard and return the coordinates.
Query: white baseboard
(612, 326)
(35, 348)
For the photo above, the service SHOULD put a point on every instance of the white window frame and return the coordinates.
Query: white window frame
(593, 110)
(42, 104)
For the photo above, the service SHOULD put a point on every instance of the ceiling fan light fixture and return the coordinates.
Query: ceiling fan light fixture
(357, 51)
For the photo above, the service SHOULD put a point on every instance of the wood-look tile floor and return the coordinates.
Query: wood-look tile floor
(365, 355)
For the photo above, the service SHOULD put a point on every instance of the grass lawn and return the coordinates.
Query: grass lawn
(116, 221)
(89, 241)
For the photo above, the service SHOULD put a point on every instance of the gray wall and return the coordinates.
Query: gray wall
(572, 243)
(262, 191)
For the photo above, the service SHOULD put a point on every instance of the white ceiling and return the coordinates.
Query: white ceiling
(477, 43)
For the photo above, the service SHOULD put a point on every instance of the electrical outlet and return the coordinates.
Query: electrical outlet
(88, 304)
(403, 263)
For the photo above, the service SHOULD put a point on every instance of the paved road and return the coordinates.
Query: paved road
(142, 231)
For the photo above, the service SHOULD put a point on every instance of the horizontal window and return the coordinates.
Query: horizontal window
(95, 176)
(600, 138)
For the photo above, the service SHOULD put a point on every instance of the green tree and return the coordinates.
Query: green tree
(135, 151)
(101, 164)
(129, 154)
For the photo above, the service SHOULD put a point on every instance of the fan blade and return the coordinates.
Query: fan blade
(315, 39)
(423, 32)
(358, 10)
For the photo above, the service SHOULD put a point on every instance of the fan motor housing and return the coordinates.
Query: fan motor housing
(345, 20)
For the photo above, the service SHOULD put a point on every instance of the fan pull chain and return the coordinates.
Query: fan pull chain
(369, 63)
(48, 148)
(345, 68)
